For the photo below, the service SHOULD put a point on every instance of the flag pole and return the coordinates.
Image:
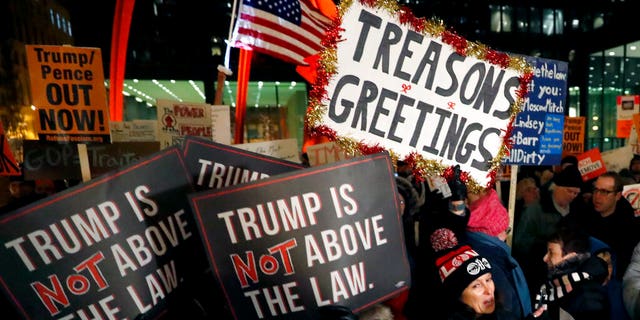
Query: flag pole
(223, 70)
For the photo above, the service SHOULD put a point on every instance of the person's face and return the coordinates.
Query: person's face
(635, 167)
(402, 204)
(531, 193)
(604, 195)
(564, 195)
(479, 295)
(554, 255)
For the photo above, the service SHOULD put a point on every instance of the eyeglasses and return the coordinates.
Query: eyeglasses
(603, 192)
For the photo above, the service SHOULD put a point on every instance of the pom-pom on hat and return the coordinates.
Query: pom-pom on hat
(458, 265)
(568, 177)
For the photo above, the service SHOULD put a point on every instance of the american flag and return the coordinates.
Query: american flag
(290, 30)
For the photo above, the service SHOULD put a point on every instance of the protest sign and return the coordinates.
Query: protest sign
(324, 153)
(590, 164)
(537, 129)
(214, 165)
(56, 161)
(67, 88)
(286, 149)
(179, 119)
(312, 237)
(221, 124)
(8, 164)
(391, 81)
(123, 245)
(573, 136)
(626, 107)
(631, 192)
(135, 130)
(617, 159)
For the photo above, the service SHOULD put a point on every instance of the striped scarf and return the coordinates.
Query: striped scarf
(558, 287)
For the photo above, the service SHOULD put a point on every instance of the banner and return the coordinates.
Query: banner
(214, 165)
(312, 237)
(124, 245)
(392, 85)
(537, 130)
(67, 88)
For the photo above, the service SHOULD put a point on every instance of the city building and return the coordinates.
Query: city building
(176, 46)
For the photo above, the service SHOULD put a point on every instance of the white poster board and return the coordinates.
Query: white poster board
(286, 149)
(411, 92)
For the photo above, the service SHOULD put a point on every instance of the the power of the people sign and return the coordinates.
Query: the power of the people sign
(68, 91)
(389, 80)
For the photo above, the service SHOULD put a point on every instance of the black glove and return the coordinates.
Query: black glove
(336, 312)
(457, 186)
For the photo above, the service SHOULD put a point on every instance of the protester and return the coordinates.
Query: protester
(634, 168)
(631, 285)
(466, 278)
(487, 230)
(574, 287)
(538, 221)
(611, 219)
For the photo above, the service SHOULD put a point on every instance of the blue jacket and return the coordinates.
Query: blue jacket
(511, 286)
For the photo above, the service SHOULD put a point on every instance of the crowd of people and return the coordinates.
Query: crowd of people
(575, 250)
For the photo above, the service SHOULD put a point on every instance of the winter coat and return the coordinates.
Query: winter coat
(585, 297)
(507, 274)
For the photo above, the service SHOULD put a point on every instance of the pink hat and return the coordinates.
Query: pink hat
(488, 215)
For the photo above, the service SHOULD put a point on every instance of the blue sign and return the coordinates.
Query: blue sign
(537, 129)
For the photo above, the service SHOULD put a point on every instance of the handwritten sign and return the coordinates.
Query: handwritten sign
(312, 237)
(135, 130)
(538, 128)
(286, 149)
(214, 165)
(179, 119)
(412, 93)
(122, 245)
(221, 124)
(46, 160)
(67, 86)
(323, 153)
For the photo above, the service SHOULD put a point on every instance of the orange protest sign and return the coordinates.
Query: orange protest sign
(67, 87)
(573, 136)
(8, 164)
(590, 164)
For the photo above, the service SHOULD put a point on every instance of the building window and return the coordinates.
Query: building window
(500, 18)
(552, 21)
(535, 25)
